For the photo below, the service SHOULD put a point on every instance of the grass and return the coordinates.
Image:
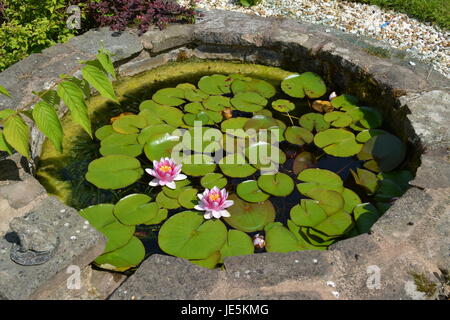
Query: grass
(434, 11)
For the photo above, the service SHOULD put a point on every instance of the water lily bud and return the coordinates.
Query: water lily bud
(332, 96)
(258, 241)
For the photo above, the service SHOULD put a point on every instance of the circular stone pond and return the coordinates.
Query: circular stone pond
(337, 163)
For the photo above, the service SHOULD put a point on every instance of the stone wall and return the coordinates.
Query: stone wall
(410, 240)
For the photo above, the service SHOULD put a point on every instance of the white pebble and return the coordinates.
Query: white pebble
(315, 260)
(335, 294)
(331, 284)
(73, 238)
(62, 211)
(66, 224)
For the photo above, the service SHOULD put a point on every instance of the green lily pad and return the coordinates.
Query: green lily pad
(236, 166)
(188, 198)
(194, 107)
(124, 258)
(263, 88)
(234, 144)
(212, 180)
(387, 190)
(259, 122)
(114, 172)
(308, 213)
(292, 86)
(186, 86)
(319, 179)
(198, 165)
(169, 96)
(309, 83)
(264, 156)
(344, 100)
(129, 124)
(249, 191)
(298, 135)
(248, 102)
(165, 202)
(160, 146)
(187, 235)
(386, 149)
(303, 161)
(314, 121)
(195, 95)
(160, 217)
(338, 142)
(338, 119)
(217, 103)
(351, 200)
(135, 209)
(180, 186)
(104, 132)
(279, 185)
(202, 139)
(336, 225)
(150, 117)
(371, 118)
(125, 144)
(170, 115)
(190, 118)
(281, 239)
(102, 218)
(330, 201)
(249, 217)
(283, 105)
(365, 216)
(401, 178)
(210, 262)
(214, 117)
(233, 124)
(216, 84)
(368, 180)
(149, 133)
(368, 134)
(238, 244)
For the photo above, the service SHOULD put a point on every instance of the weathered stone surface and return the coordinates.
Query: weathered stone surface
(175, 35)
(13, 168)
(21, 193)
(79, 244)
(95, 285)
(434, 170)
(165, 277)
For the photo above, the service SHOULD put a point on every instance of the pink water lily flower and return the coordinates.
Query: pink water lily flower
(166, 172)
(214, 202)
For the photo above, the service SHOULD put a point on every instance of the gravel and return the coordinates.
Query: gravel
(422, 41)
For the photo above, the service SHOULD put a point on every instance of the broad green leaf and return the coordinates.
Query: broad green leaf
(198, 165)
(250, 191)
(100, 81)
(283, 105)
(105, 60)
(263, 88)
(298, 135)
(4, 146)
(123, 258)
(314, 121)
(338, 142)
(4, 91)
(17, 134)
(308, 213)
(135, 209)
(365, 216)
(279, 184)
(47, 121)
(248, 102)
(319, 178)
(236, 166)
(169, 96)
(238, 244)
(212, 180)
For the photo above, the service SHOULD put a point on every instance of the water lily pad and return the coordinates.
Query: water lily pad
(149, 133)
(338, 119)
(104, 132)
(233, 124)
(150, 117)
(250, 191)
(129, 124)
(386, 149)
(212, 180)
(135, 209)
(236, 166)
(281, 239)
(202, 139)
(187, 235)
(248, 101)
(368, 180)
(169, 96)
(160, 217)
(330, 201)
(264, 156)
(283, 105)
(308, 213)
(217, 103)
(198, 165)
(365, 216)
(235, 144)
(125, 144)
(344, 100)
(165, 202)
(170, 115)
(160, 146)
(102, 218)
(194, 107)
(336, 225)
(371, 119)
(313, 121)
(309, 83)
(401, 178)
(388, 190)
(298, 135)
(190, 118)
(249, 217)
(114, 172)
(238, 244)
(322, 106)
(279, 185)
(351, 200)
(319, 179)
(210, 262)
(259, 122)
(263, 88)
(124, 258)
(337, 142)
(179, 186)
(368, 134)
(292, 86)
(188, 198)
(302, 161)
(216, 84)
(195, 95)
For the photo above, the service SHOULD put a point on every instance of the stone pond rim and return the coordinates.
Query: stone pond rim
(411, 238)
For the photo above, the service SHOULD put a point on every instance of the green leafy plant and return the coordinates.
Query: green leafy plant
(249, 3)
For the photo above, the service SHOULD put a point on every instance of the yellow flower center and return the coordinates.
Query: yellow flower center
(214, 197)
(165, 169)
